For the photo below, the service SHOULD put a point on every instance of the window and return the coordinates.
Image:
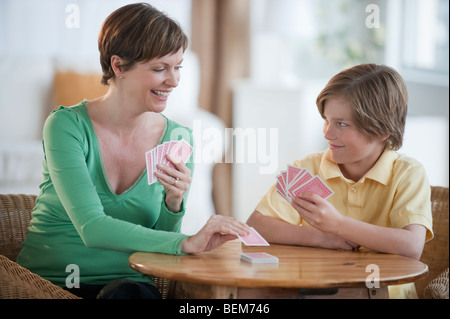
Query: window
(424, 51)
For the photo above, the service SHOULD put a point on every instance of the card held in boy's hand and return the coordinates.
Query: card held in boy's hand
(315, 185)
(253, 239)
(296, 180)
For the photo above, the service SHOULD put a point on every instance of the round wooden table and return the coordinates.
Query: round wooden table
(301, 272)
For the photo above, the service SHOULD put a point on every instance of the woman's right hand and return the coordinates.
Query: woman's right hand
(217, 230)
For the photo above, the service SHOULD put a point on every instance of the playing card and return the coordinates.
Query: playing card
(165, 151)
(292, 173)
(281, 190)
(158, 155)
(281, 183)
(315, 185)
(296, 180)
(170, 149)
(259, 258)
(253, 239)
(181, 152)
(148, 162)
(162, 155)
(301, 180)
(151, 166)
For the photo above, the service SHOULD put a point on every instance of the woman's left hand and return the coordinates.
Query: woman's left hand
(176, 182)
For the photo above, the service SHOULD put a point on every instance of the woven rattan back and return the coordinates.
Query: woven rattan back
(15, 216)
(435, 253)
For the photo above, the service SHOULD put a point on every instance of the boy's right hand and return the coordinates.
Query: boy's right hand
(331, 241)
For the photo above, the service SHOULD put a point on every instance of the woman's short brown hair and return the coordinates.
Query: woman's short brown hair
(137, 33)
(378, 97)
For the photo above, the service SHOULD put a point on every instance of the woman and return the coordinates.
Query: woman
(95, 205)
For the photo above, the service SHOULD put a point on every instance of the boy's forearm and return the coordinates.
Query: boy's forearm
(406, 241)
(279, 232)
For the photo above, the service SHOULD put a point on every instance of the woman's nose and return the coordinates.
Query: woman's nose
(173, 78)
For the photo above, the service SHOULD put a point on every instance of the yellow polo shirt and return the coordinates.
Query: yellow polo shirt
(395, 192)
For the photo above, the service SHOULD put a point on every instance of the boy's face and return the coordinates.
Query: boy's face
(352, 150)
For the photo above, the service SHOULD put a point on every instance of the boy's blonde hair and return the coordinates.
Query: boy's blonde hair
(378, 97)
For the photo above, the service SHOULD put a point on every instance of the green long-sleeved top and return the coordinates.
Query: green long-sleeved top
(79, 220)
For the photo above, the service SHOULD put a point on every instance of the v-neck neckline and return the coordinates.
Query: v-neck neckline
(99, 157)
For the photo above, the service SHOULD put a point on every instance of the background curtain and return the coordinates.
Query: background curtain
(220, 38)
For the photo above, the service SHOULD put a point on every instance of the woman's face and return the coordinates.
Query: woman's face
(150, 83)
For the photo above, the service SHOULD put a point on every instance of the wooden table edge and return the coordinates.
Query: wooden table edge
(250, 283)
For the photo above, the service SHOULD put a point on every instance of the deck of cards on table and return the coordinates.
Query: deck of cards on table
(179, 151)
(296, 180)
(259, 258)
(255, 239)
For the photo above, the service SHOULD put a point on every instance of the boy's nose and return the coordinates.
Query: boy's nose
(328, 132)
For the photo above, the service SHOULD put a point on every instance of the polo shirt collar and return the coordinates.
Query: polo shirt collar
(380, 172)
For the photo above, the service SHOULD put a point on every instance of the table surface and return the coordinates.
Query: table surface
(298, 267)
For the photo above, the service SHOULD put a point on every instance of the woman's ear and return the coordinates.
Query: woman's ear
(116, 65)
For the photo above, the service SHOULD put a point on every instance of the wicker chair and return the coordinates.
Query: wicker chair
(17, 282)
(435, 252)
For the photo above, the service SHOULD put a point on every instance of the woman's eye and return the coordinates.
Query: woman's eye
(177, 68)
(342, 124)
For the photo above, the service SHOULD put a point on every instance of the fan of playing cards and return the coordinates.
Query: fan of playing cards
(179, 151)
(296, 180)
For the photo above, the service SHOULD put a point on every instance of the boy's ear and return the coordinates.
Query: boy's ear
(384, 138)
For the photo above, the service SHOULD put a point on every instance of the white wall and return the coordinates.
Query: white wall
(38, 36)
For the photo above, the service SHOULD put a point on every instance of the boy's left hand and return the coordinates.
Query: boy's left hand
(318, 212)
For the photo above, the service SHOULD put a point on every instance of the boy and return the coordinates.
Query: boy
(381, 199)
